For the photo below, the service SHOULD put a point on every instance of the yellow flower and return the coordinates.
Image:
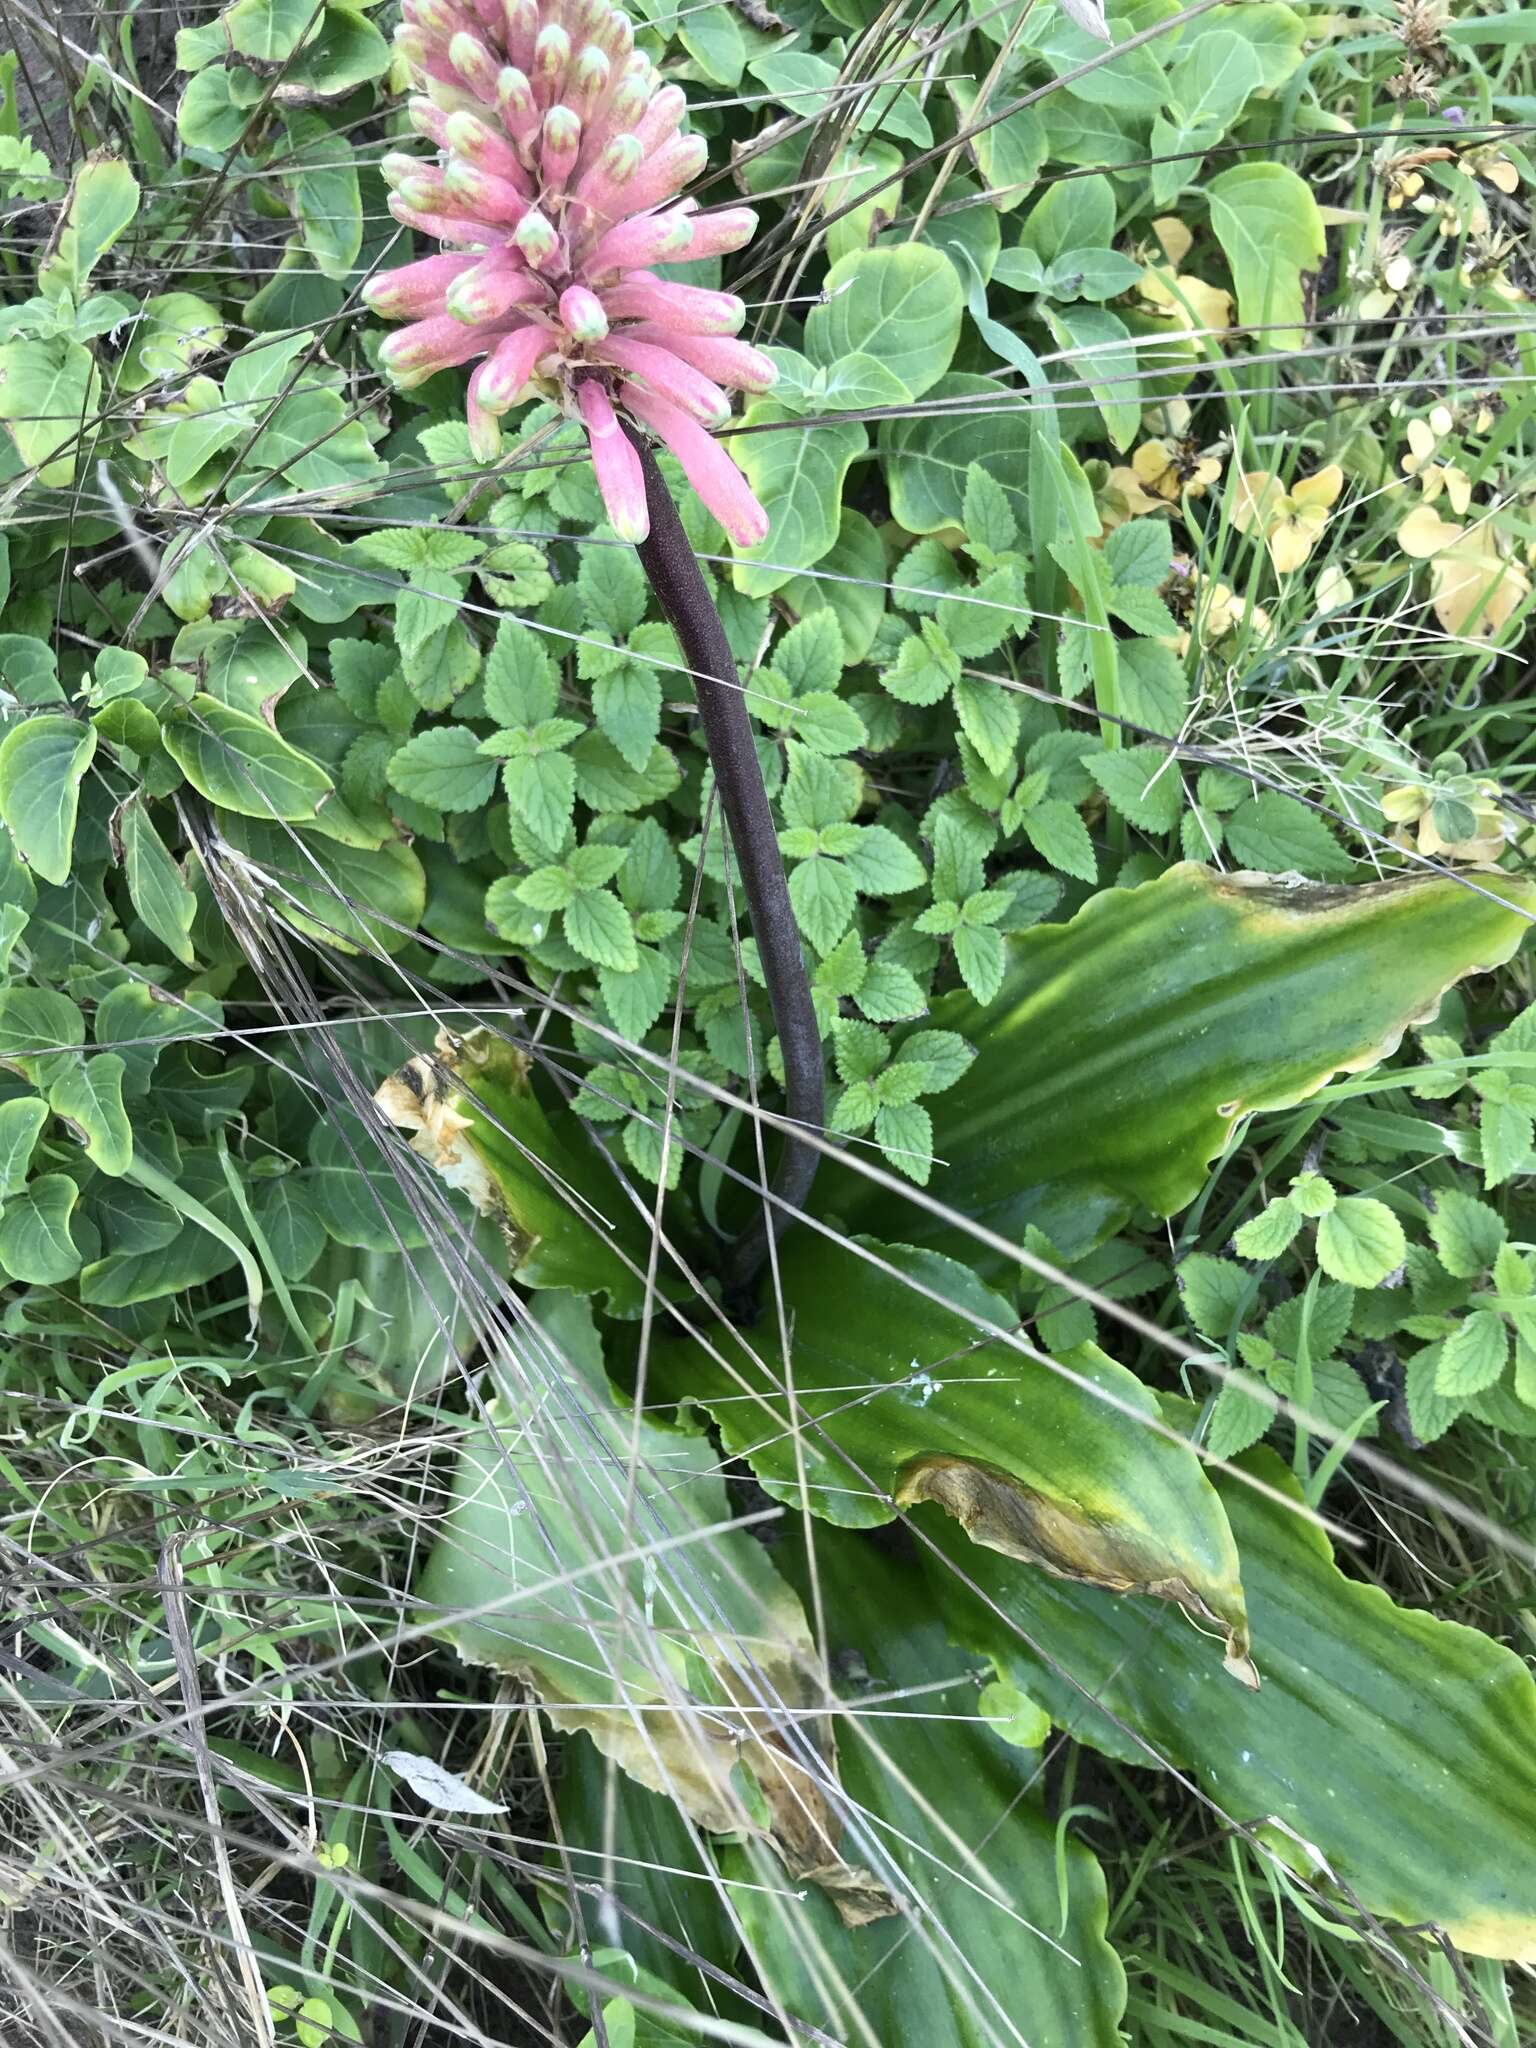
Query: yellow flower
(1291, 522)
(1474, 591)
(1172, 470)
(1491, 163)
(1187, 302)
(1424, 437)
(1403, 186)
(1121, 497)
(1173, 238)
(1457, 817)
(1220, 611)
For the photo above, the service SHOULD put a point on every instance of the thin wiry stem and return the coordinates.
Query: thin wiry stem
(684, 597)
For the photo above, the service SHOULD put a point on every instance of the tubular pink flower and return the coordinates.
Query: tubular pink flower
(560, 152)
(619, 476)
(663, 371)
(723, 360)
(415, 289)
(705, 463)
(684, 307)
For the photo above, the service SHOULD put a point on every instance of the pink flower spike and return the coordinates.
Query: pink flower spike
(502, 377)
(687, 308)
(731, 364)
(619, 475)
(582, 315)
(667, 375)
(415, 289)
(711, 472)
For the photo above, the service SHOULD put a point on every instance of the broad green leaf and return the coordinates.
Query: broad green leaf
(42, 764)
(1074, 213)
(156, 883)
(1064, 1465)
(1269, 227)
(49, 391)
(21, 1124)
(39, 1027)
(103, 201)
(797, 474)
(510, 1583)
(89, 1095)
(568, 1220)
(241, 764)
(268, 30)
(598, 926)
(1130, 1042)
(320, 175)
(973, 420)
(1384, 1750)
(35, 1242)
(858, 604)
(901, 305)
(1101, 359)
(357, 899)
(1002, 1939)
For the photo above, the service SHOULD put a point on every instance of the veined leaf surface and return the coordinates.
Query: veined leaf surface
(998, 1944)
(891, 1397)
(633, 1608)
(1125, 1045)
(1386, 1751)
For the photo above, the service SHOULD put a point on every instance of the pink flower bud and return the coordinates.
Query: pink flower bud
(537, 239)
(705, 463)
(499, 282)
(662, 117)
(475, 65)
(653, 238)
(428, 346)
(428, 119)
(493, 199)
(619, 475)
(718, 234)
(559, 147)
(515, 104)
(441, 227)
(551, 55)
(581, 314)
(501, 378)
(664, 173)
(522, 20)
(588, 81)
(472, 137)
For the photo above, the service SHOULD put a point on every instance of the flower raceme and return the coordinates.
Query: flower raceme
(561, 155)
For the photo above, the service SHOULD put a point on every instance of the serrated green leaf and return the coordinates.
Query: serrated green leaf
(598, 926)
(443, 768)
(1474, 1355)
(1360, 1241)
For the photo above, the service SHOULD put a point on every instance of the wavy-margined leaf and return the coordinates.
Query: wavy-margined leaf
(568, 1220)
(1385, 1752)
(1000, 1943)
(1125, 1045)
(593, 1557)
(892, 1397)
